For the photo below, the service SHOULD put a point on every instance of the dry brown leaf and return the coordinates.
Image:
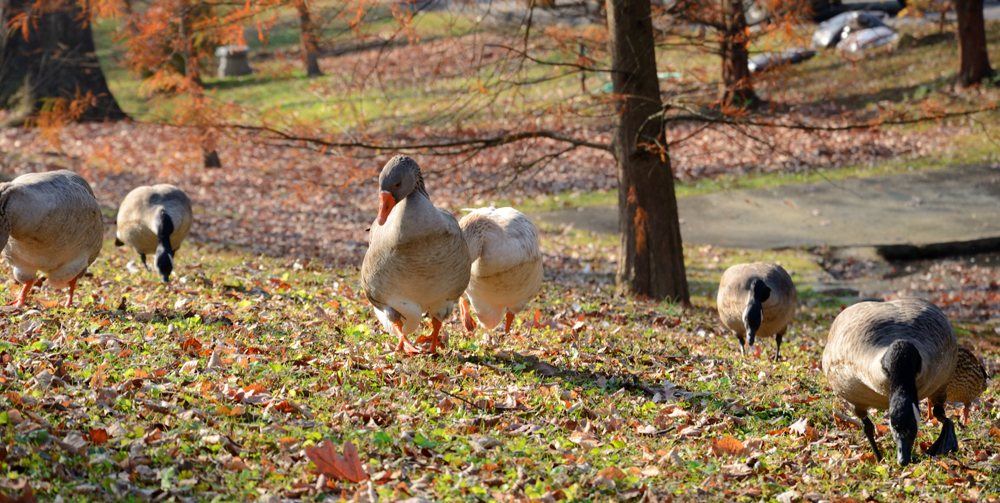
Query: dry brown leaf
(728, 445)
(612, 473)
(347, 467)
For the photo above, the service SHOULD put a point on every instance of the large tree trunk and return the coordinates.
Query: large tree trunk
(972, 43)
(52, 60)
(650, 256)
(737, 87)
(310, 49)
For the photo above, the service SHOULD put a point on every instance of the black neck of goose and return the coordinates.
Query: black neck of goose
(164, 230)
(902, 363)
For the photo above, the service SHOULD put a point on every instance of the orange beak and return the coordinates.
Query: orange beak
(385, 204)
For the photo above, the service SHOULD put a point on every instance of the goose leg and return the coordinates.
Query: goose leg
(510, 320)
(144, 264)
(965, 413)
(404, 345)
(777, 345)
(930, 410)
(72, 288)
(947, 441)
(22, 299)
(466, 312)
(870, 433)
(435, 341)
(743, 345)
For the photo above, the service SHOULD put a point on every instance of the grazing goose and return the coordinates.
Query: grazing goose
(967, 383)
(417, 260)
(891, 355)
(757, 300)
(49, 222)
(156, 220)
(506, 265)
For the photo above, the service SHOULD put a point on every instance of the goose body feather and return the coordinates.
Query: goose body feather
(860, 337)
(50, 222)
(736, 291)
(139, 217)
(506, 262)
(417, 262)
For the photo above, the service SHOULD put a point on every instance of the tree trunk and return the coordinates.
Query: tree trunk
(650, 255)
(55, 61)
(310, 49)
(972, 43)
(737, 87)
(186, 38)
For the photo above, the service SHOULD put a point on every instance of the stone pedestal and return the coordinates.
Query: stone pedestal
(233, 61)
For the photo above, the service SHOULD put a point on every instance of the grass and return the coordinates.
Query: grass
(570, 409)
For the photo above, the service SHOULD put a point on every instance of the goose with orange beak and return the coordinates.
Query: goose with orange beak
(417, 260)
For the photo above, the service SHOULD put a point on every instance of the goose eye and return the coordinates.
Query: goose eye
(398, 184)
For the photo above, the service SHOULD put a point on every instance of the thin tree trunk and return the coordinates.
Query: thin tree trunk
(187, 40)
(975, 61)
(310, 48)
(737, 87)
(55, 60)
(650, 255)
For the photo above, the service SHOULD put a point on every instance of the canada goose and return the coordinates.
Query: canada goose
(757, 300)
(49, 222)
(417, 260)
(890, 355)
(155, 219)
(967, 383)
(506, 265)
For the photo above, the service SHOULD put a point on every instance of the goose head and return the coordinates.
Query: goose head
(753, 314)
(902, 363)
(399, 178)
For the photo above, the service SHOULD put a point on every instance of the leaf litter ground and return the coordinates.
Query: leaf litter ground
(262, 378)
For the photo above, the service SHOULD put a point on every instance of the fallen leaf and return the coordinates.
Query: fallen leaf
(334, 466)
(27, 496)
(728, 445)
(612, 473)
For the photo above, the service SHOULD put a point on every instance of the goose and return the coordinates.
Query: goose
(417, 260)
(890, 355)
(757, 300)
(506, 265)
(967, 383)
(49, 222)
(155, 219)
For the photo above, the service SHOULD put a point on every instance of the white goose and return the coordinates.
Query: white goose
(506, 265)
(417, 260)
(156, 220)
(49, 222)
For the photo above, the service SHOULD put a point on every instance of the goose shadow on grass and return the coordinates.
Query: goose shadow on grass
(511, 363)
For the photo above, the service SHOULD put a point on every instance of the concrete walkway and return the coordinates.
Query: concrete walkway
(940, 212)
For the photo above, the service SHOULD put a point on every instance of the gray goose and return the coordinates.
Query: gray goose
(757, 300)
(890, 355)
(155, 220)
(49, 222)
(506, 265)
(417, 260)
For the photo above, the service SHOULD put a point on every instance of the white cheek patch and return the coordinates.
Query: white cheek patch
(916, 414)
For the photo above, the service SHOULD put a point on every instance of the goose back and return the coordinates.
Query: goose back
(735, 290)
(860, 336)
(53, 223)
(970, 378)
(139, 217)
(507, 263)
